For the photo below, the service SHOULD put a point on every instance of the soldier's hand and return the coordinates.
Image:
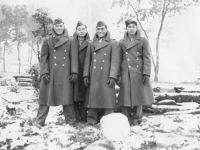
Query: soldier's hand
(145, 79)
(111, 82)
(73, 78)
(119, 81)
(86, 81)
(46, 78)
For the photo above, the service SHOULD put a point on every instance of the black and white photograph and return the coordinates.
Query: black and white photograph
(100, 75)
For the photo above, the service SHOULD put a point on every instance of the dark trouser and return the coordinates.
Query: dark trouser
(68, 112)
(80, 110)
(134, 114)
(92, 116)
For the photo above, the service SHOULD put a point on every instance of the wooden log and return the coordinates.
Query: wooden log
(197, 111)
(176, 107)
(178, 97)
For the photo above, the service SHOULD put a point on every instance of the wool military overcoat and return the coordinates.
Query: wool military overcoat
(59, 61)
(101, 62)
(79, 87)
(135, 62)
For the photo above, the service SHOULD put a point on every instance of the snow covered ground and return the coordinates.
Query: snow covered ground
(17, 130)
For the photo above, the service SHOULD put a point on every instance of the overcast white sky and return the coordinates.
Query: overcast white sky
(180, 41)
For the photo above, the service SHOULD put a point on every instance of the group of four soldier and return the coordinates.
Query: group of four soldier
(81, 74)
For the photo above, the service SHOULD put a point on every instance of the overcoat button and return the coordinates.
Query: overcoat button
(95, 60)
(55, 57)
(126, 52)
(137, 66)
(129, 66)
(101, 68)
(55, 64)
(65, 50)
(63, 57)
(94, 53)
(94, 66)
(103, 61)
(104, 53)
(63, 65)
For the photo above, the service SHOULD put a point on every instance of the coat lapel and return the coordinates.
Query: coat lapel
(83, 45)
(104, 42)
(133, 43)
(85, 42)
(62, 40)
(129, 44)
(101, 45)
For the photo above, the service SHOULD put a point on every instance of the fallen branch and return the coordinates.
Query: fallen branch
(22, 100)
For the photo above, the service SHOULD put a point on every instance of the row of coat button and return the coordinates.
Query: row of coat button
(96, 67)
(55, 57)
(64, 50)
(96, 53)
(62, 65)
(127, 52)
(96, 60)
(130, 66)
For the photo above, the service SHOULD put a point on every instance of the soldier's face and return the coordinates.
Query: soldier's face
(131, 29)
(101, 31)
(81, 31)
(59, 28)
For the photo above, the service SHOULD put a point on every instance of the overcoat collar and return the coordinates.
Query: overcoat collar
(128, 43)
(104, 42)
(63, 39)
(85, 42)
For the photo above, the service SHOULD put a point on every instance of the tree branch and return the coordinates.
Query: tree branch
(138, 20)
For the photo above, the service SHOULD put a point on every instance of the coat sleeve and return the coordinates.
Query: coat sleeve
(146, 58)
(44, 62)
(115, 60)
(86, 71)
(74, 56)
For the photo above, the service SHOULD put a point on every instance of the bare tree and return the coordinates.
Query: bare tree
(160, 10)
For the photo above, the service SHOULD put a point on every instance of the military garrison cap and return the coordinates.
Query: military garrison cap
(58, 21)
(80, 24)
(130, 21)
(101, 23)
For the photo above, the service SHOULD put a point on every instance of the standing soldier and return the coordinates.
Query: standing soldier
(135, 69)
(82, 39)
(100, 72)
(59, 69)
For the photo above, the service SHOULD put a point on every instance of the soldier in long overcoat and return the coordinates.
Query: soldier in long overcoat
(100, 72)
(135, 70)
(59, 69)
(82, 39)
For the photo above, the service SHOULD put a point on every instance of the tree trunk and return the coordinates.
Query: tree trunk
(31, 53)
(38, 51)
(157, 46)
(4, 58)
(156, 74)
(18, 49)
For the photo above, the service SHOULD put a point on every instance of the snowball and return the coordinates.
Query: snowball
(115, 126)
